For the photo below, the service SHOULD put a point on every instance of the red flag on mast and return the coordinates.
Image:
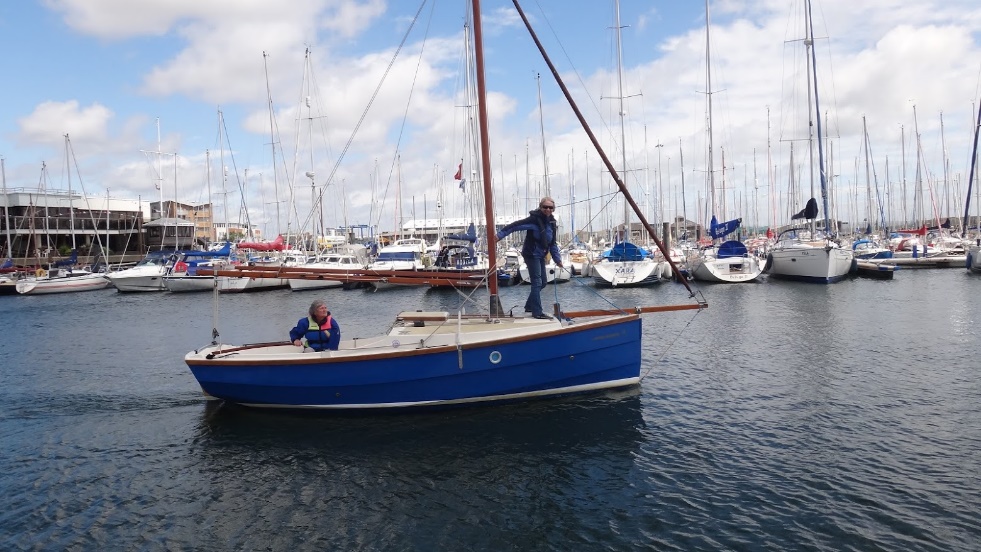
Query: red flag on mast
(459, 172)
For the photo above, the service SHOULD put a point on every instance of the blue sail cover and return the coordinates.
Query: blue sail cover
(625, 251)
(732, 248)
(717, 230)
(225, 251)
(9, 263)
(67, 262)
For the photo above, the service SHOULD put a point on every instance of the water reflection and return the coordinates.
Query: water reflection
(504, 474)
(564, 422)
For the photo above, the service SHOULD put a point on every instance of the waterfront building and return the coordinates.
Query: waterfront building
(44, 224)
(200, 215)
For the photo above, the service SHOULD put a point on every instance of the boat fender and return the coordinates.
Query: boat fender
(769, 263)
(41, 273)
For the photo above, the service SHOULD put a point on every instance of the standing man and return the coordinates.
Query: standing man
(540, 230)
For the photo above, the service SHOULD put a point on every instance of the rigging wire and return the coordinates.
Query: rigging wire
(408, 101)
(670, 344)
(364, 113)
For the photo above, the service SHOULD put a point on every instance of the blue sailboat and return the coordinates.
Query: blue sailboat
(431, 359)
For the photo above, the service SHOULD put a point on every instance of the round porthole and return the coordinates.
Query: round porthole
(396, 343)
(495, 357)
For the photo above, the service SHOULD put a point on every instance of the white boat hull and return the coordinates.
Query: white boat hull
(185, 284)
(384, 266)
(553, 274)
(708, 268)
(307, 285)
(62, 284)
(932, 259)
(580, 261)
(627, 273)
(139, 279)
(238, 284)
(810, 262)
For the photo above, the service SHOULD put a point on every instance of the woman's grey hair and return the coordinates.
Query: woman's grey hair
(316, 305)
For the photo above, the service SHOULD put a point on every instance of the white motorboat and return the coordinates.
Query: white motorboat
(335, 261)
(146, 275)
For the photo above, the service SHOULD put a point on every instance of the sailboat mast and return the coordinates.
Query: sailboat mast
(902, 143)
(44, 186)
(541, 127)
(708, 101)
(771, 220)
(71, 206)
(623, 134)
(572, 195)
(684, 201)
(868, 174)
(6, 201)
(272, 143)
(397, 214)
(817, 117)
(160, 169)
(919, 209)
(970, 179)
(756, 198)
(211, 205)
(105, 254)
(589, 201)
(224, 175)
(495, 301)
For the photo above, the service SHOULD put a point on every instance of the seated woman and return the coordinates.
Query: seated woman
(319, 330)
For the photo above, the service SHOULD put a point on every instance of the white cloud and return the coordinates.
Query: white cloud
(50, 121)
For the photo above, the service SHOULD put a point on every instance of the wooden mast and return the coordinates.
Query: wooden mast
(495, 301)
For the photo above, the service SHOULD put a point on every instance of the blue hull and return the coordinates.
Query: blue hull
(570, 360)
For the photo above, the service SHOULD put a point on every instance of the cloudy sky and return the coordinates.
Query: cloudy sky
(105, 71)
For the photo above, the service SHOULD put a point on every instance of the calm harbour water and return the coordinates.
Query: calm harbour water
(785, 417)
